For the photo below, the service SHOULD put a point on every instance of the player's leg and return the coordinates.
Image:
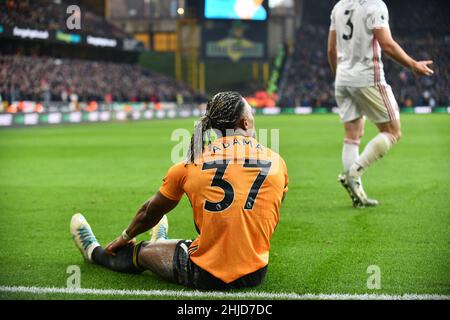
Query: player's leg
(375, 149)
(378, 147)
(126, 259)
(392, 129)
(354, 130)
(354, 122)
(93, 252)
(158, 258)
(381, 108)
(123, 261)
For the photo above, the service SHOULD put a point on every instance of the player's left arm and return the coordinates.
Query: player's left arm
(377, 20)
(332, 51)
(396, 52)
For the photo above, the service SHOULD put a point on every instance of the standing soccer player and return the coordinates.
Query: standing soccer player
(359, 31)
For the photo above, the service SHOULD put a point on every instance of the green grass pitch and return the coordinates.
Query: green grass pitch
(321, 245)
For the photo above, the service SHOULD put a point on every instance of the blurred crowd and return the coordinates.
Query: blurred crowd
(422, 28)
(307, 80)
(51, 15)
(48, 79)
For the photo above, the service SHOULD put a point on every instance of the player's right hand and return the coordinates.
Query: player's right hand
(421, 68)
(117, 244)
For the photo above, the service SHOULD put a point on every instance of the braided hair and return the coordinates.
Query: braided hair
(223, 112)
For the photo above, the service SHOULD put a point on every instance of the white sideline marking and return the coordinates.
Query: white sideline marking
(218, 294)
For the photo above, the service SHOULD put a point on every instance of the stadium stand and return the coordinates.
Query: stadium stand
(44, 73)
(51, 15)
(50, 79)
(307, 80)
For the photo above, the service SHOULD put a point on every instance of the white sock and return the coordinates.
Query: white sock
(350, 152)
(91, 248)
(375, 149)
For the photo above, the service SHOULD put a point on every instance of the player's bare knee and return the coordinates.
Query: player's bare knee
(354, 135)
(394, 134)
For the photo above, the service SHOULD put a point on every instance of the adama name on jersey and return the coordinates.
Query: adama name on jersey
(216, 147)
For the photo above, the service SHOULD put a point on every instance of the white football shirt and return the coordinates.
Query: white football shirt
(358, 53)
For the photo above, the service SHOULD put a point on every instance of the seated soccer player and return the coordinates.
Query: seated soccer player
(235, 186)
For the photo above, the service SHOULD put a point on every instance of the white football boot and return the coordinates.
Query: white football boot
(83, 236)
(342, 179)
(367, 202)
(160, 231)
(356, 189)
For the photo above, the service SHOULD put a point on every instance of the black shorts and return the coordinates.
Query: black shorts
(189, 274)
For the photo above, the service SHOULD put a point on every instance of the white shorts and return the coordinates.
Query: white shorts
(377, 103)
